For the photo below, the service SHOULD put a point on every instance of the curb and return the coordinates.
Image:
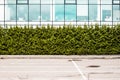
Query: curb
(59, 57)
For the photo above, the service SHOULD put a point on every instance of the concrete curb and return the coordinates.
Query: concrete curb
(59, 57)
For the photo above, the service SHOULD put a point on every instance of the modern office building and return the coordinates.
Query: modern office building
(59, 12)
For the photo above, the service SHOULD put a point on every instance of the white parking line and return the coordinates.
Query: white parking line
(81, 73)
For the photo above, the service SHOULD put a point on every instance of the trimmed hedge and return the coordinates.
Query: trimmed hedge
(65, 40)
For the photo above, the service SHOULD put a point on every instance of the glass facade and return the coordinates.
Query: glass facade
(59, 12)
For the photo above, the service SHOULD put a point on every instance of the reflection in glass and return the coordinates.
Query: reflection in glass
(82, 13)
(10, 1)
(22, 1)
(59, 12)
(34, 1)
(94, 13)
(34, 12)
(93, 1)
(106, 12)
(10, 12)
(46, 1)
(106, 1)
(45, 12)
(116, 13)
(116, 1)
(70, 12)
(22, 13)
(62, 9)
(70, 2)
(1, 12)
(58, 1)
(82, 1)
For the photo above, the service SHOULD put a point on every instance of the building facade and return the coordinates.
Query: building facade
(59, 12)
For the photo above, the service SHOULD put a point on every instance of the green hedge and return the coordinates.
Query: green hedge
(65, 40)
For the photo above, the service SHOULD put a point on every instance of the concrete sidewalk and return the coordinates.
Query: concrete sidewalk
(59, 56)
(59, 69)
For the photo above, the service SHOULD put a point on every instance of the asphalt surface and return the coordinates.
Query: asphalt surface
(60, 69)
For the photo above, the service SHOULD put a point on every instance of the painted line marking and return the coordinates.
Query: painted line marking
(81, 73)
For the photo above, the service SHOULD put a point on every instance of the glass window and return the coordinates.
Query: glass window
(59, 13)
(45, 12)
(82, 13)
(1, 12)
(10, 12)
(46, 1)
(106, 12)
(34, 12)
(22, 13)
(94, 12)
(34, 1)
(82, 1)
(106, 1)
(1, 1)
(58, 1)
(94, 1)
(116, 1)
(22, 1)
(116, 13)
(70, 2)
(70, 12)
(10, 1)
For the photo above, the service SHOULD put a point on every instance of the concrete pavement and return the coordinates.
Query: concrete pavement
(72, 68)
(59, 56)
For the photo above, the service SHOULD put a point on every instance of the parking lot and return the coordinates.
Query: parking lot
(59, 69)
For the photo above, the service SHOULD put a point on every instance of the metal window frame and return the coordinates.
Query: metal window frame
(70, 3)
(18, 3)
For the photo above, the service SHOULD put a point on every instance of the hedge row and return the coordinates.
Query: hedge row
(65, 40)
